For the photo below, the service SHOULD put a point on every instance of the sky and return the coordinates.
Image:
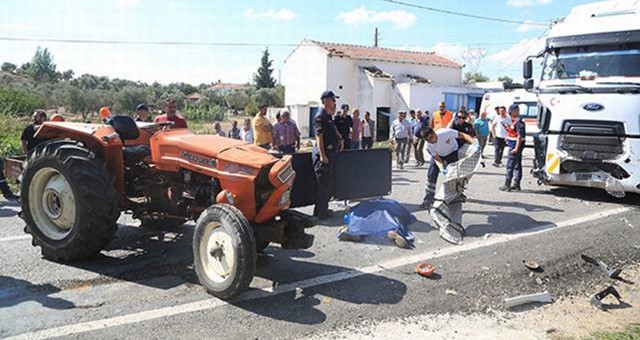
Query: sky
(231, 35)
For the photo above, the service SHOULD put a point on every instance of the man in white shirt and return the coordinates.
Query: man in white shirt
(246, 133)
(400, 133)
(499, 131)
(442, 145)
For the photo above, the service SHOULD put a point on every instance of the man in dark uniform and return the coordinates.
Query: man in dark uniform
(344, 124)
(328, 143)
(515, 141)
(28, 139)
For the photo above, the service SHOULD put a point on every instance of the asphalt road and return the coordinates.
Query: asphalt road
(144, 286)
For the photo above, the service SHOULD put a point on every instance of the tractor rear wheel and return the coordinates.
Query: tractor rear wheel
(224, 251)
(69, 201)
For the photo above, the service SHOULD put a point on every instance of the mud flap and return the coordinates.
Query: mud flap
(359, 174)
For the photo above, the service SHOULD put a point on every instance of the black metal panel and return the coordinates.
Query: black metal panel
(363, 174)
(305, 186)
(359, 174)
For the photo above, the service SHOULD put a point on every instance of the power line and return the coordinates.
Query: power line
(439, 10)
(524, 51)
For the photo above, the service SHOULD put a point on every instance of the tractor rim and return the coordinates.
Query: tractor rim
(218, 252)
(52, 203)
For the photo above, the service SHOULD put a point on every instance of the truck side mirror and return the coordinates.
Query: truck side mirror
(528, 84)
(527, 69)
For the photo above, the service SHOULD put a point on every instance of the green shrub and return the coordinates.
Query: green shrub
(10, 131)
(18, 101)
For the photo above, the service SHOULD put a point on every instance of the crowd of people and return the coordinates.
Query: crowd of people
(436, 139)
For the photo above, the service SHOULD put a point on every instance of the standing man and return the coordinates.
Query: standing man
(234, 133)
(142, 112)
(499, 132)
(356, 133)
(461, 125)
(368, 131)
(401, 134)
(442, 145)
(262, 129)
(482, 133)
(170, 107)
(328, 143)
(344, 124)
(515, 141)
(287, 135)
(28, 139)
(218, 128)
(418, 142)
(246, 133)
(442, 118)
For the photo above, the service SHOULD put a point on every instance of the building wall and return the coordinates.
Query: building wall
(305, 75)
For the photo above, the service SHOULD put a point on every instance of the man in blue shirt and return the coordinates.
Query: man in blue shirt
(328, 143)
(482, 132)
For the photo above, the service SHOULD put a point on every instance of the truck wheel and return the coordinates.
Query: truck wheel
(69, 201)
(161, 223)
(224, 251)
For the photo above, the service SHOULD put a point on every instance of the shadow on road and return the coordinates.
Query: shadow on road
(15, 291)
(529, 207)
(305, 306)
(502, 222)
(591, 195)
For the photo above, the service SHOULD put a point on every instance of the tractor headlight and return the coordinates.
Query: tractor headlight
(230, 199)
(285, 174)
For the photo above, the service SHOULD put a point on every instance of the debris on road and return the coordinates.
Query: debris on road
(450, 292)
(531, 264)
(597, 298)
(543, 297)
(626, 221)
(425, 269)
(611, 272)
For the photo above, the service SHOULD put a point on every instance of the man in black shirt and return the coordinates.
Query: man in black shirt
(142, 111)
(29, 142)
(461, 125)
(344, 124)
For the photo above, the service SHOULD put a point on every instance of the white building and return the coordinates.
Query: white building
(379, 80)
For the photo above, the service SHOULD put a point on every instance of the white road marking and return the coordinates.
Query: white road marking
(15, 238)
(312, 282)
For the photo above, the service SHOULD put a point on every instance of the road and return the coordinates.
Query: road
(144, 286)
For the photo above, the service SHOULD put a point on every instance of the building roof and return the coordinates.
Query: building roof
(385, 54)
(228, 86)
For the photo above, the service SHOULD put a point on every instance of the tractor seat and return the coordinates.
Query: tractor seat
(135, 154)
(125, 126)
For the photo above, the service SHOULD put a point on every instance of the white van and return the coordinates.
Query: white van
(528, 103)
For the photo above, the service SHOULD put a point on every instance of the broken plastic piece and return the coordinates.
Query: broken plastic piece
(597, 298)
(425, 269)
(613, 187)
(611, 272)
(531, 264)
(544, 297)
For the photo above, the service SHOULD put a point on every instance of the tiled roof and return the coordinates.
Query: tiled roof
(385, 54)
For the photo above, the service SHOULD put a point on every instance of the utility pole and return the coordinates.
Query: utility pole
(375, 38)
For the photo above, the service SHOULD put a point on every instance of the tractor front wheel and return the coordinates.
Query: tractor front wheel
(69, 201)
(224, 251)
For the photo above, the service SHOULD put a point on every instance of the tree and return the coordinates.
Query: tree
(263, 78)
(505, 79)
(8, 67)
(42, 68)
(128, 98)
(474, 77)
(237, 99)
(266, 96)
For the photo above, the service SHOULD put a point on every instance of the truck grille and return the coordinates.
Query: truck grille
(593, 140)
(592, 147)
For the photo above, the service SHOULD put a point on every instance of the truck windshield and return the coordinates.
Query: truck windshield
(611, 61)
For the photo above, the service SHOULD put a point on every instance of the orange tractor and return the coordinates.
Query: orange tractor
(75, 185)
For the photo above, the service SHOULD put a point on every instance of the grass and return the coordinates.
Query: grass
(631, 332)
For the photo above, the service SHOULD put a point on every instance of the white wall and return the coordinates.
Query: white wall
(305, 75)
(342, 79)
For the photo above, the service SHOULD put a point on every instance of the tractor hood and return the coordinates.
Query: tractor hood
(175, 147)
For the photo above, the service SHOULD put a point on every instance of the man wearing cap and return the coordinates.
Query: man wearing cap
(328, 143)
(344, 124)
(262, 129)
(170, 106)
(499, 131)
(142, 111)
(28, 139)
(515, 141)
(287, 135)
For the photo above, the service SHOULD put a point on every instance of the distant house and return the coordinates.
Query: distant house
(382, 81)
(225, 88)
(194, 98)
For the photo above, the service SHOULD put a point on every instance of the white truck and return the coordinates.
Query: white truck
(589, 99)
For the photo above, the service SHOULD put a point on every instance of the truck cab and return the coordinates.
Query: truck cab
(589, 99)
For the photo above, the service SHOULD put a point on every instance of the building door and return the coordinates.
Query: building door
(313, 111)
(382, 123)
